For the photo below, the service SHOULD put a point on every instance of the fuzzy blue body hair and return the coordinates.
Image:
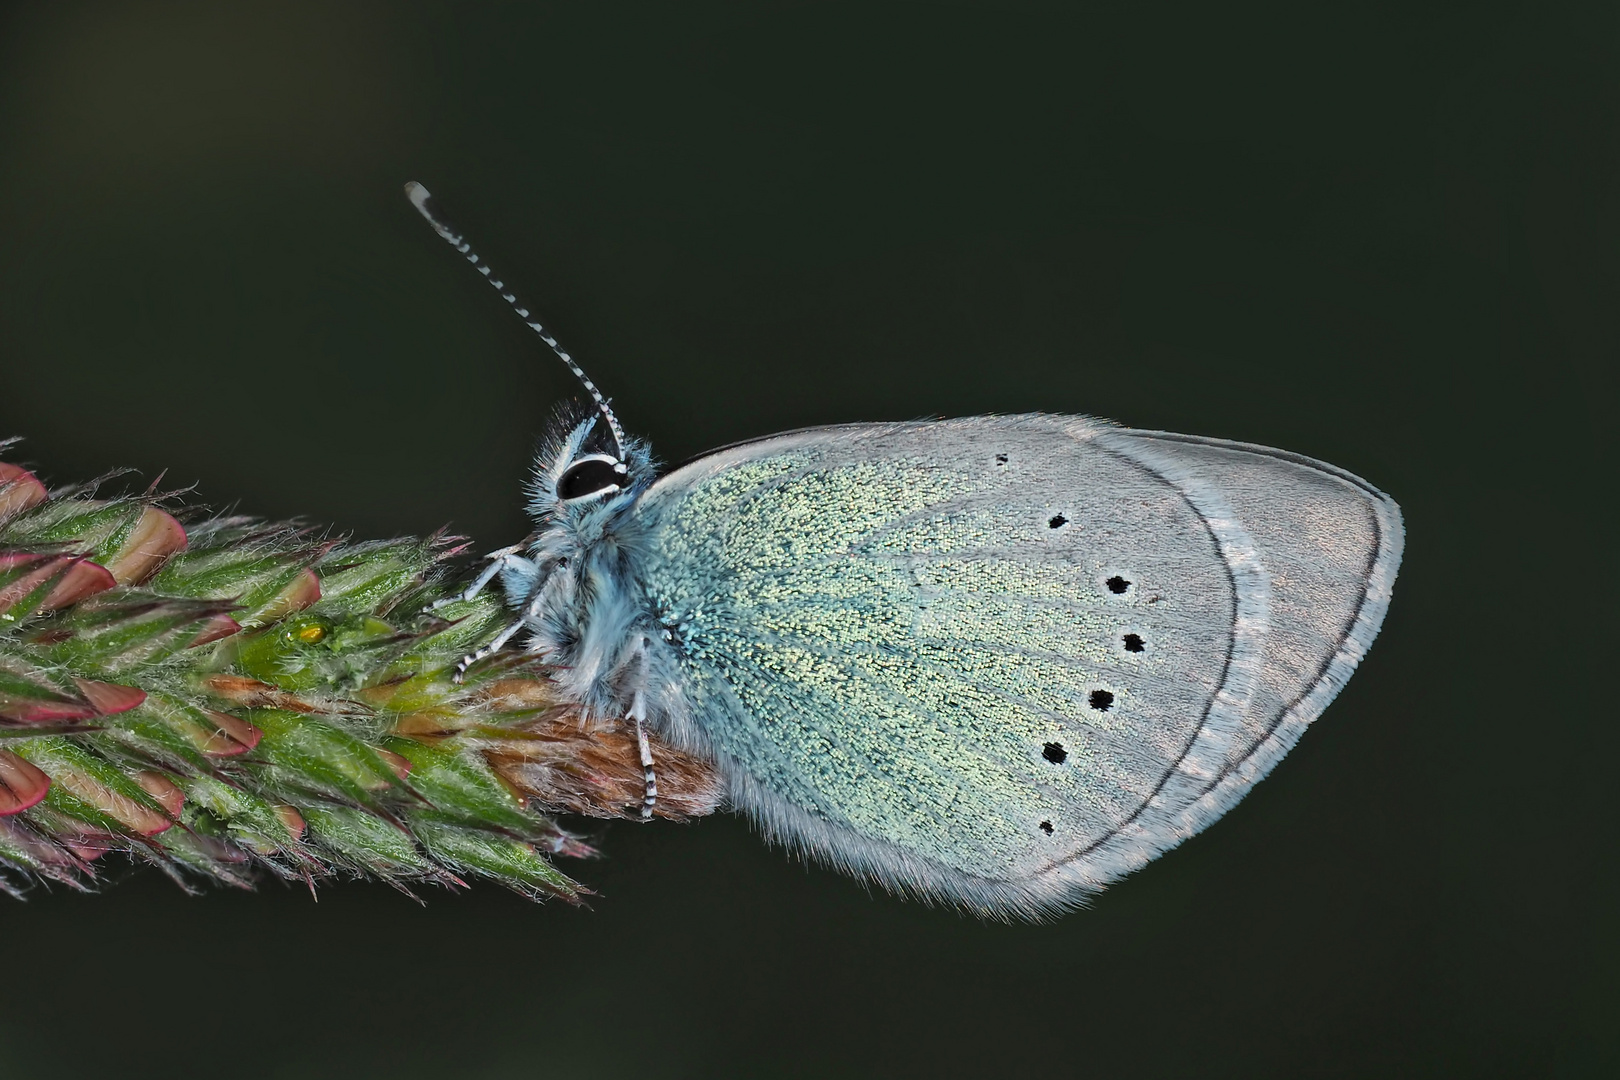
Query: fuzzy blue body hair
(584, 609)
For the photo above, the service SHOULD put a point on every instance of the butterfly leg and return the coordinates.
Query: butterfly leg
(650, 799)
(530, 610)
(638, 713)
(488, 650)
(498, 561)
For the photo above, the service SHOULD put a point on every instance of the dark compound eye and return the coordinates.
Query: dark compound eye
(1117, 584)
(1054, 752)
(1133, 643)
(590, 476)
(1058, 522)
(1101, 700)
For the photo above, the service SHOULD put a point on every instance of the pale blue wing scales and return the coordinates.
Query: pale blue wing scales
(841, 644)
(872, 621)
(899, 746)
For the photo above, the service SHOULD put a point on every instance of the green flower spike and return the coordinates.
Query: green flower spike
(227, 699)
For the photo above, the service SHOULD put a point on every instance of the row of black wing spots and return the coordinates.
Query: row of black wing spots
(1099, 700)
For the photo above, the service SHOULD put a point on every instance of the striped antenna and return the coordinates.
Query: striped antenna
(425, 206)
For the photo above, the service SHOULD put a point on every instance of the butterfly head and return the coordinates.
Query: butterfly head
(583, 477)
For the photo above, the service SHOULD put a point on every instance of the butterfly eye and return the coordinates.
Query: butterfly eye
(590, 476)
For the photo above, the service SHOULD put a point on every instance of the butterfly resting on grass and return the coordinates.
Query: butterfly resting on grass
(997, 661)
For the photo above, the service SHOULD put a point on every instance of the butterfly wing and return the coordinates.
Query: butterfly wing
(998, 660)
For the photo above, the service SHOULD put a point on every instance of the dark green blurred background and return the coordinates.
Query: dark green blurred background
(1386, 240)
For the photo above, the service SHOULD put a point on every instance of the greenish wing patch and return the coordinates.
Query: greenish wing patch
(933, 654)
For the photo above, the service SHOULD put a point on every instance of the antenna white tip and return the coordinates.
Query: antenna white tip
(419, 198)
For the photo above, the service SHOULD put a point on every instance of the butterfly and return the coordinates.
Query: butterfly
(997, 661)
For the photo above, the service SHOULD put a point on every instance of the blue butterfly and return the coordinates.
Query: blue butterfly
(996, 661)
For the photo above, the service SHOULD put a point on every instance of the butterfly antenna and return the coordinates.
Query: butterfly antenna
(428, 209)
